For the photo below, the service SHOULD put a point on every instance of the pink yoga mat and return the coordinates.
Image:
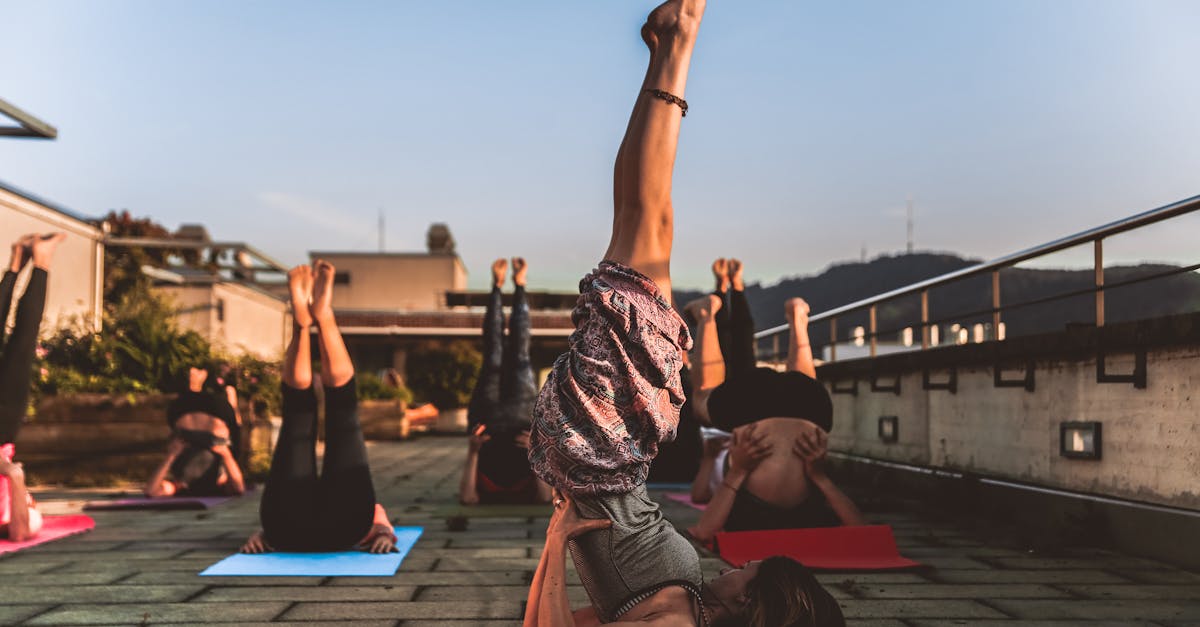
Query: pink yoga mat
(53, 528)
(686, 499)
(871, 547)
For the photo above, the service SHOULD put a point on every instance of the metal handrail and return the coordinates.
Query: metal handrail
(1095, 236)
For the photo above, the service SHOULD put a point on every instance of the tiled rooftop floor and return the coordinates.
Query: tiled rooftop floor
(141, 568)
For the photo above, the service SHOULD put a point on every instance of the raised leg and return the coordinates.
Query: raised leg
(739, 347)
(20, 256)
(336, 367)
(16, 362)
(518, 385)
(485, 398)
(800, 357)
(708, 369)
(297, 365)
(643, 219)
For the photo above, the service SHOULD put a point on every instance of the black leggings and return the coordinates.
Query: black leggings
(507, 388)
(16, 356)
(735, 334)
(333, 512)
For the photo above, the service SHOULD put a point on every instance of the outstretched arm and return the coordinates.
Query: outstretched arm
(158, 485)
(747, 449)
(812, 447)
(468, 493)
(237, 484)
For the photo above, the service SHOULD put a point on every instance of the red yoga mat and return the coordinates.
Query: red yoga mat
(870, 547)
(53, 528)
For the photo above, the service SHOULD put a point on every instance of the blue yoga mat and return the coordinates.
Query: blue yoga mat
(342, 564)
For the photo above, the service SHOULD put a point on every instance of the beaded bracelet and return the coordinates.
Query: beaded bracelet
(669, 97)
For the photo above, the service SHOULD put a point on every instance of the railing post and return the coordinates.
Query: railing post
(996, 304)
(1099, 282)
(872, 331)
(833, 339)
(775, 347)
(924, 319)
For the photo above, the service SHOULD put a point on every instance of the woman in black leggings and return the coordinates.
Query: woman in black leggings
(337, 510)
(19, 516)
(497, 468)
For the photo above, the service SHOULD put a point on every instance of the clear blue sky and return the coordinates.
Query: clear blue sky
(288, 124)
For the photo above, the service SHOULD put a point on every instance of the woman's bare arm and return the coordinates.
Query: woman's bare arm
(158, 485)
(468, 491)
(237, 483)
(746, 450)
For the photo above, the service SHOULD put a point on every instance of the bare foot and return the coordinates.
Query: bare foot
(703, 308)
(720, 270)
(499, 268)
(735, 274)
(672, 19)
(43, 247)
(322, 294)
(300, 286)
(519, 270)
(796, 310)
(20, 253)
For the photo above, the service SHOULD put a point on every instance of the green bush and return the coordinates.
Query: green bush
(444, 373)
(372, 387)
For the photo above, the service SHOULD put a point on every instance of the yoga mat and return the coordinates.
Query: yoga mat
(160, 504)
(870, 547)
(340, 564)
(686, 499)
(53, 528)
(165, 503)
(494, 511)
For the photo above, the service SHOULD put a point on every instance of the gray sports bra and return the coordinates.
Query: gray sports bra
(638, 556)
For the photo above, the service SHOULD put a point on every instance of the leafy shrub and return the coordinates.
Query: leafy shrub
(444, 373)
(372, 387)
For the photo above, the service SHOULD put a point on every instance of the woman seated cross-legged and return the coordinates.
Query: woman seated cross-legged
(335, 511)
(616, 394)
(776, 477)
(497, 467)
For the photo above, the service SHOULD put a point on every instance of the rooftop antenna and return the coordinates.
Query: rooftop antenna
(381, 229)
(910, 224)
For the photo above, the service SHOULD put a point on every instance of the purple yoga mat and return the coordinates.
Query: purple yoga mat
(162, 503)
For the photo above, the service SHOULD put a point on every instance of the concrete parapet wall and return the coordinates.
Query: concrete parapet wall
(1151, 436)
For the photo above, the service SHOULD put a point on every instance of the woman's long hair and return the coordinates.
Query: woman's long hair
(785, 594)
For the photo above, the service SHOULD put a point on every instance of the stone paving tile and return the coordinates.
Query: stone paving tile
(138, 613)
(902, 609)
(1080, 609)
(1136, 591)
(308, 593)
(13, 614)
(958, 591)
(416, 609)
(97, 594)
(480, 576)
(975, 576)
(485, 578)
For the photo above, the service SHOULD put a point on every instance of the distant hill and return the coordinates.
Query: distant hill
(844, 283)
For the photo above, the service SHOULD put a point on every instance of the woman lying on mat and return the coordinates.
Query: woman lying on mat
(776, 477)
(336, 511)
(616, 394)
(20, 519)
(497, 468)
(205, 433)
